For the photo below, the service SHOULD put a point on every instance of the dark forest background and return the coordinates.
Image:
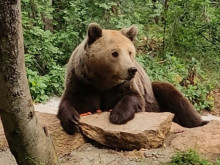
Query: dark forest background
(178, 41)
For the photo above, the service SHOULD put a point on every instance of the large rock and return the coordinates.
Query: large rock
(146, 130)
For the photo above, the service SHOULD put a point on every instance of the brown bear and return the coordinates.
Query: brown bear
(102, 73)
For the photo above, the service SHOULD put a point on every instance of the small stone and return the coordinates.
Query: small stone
(146, 130)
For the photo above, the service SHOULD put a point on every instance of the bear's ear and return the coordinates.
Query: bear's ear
(130, 32)
(94, 32)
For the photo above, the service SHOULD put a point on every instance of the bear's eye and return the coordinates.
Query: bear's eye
(115, 54)
(129, 53)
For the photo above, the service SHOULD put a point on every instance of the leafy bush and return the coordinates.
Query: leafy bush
(42, 87)
(189, 158)
(45, 74)
(179, 28)
(196, 86)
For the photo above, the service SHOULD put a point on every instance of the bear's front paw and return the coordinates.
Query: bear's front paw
(70, 124)
(69, 120)
(124, 110)
(120, 117)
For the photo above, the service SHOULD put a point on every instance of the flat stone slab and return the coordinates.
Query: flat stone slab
(146, 130)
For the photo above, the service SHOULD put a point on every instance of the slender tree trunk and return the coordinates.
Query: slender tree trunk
(165, 26)
(48, 23)
(28, 141)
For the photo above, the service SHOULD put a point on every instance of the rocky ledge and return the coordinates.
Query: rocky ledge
(146, 130)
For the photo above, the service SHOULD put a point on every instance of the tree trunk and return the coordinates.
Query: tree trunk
(28, 141)
(165, 26)
(48, 23)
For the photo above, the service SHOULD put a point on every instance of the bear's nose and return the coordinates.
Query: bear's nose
(132, 71)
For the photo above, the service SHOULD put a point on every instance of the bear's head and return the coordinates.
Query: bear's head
(110, 54)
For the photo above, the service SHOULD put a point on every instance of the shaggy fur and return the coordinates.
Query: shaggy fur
(171, 100)
(102, 74)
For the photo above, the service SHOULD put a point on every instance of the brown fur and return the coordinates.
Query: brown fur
(124, 102)
(78, 98)
(171, 100)
(95, 79)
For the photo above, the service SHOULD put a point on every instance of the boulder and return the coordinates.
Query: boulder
(146, 130)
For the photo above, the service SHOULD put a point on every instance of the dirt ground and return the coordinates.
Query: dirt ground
(94, 154)
(89, 154)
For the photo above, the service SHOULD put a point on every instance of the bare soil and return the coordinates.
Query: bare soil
(89, 154)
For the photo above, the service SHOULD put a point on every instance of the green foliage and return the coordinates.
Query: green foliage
(42, 87)
(189, 158)
(37, 85)
(42, 56)
(194, 26)
(174, 33)
(188, 77)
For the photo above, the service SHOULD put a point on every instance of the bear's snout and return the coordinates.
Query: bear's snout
(132, 71)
